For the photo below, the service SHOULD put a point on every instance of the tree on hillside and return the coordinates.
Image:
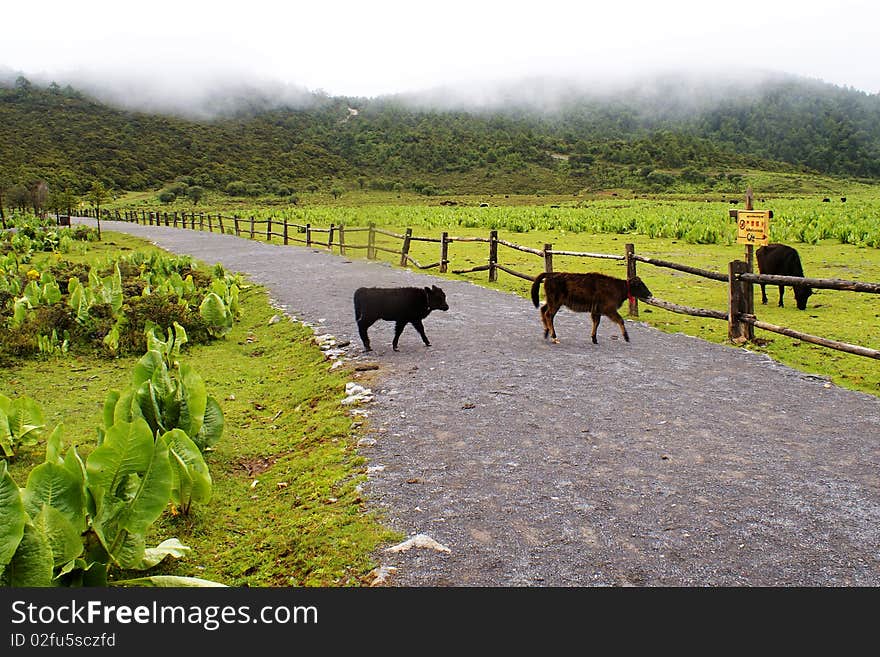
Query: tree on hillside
(96, 195)
(18, 197)
(195, 193)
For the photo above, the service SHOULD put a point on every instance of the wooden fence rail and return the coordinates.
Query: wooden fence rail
(739, 278)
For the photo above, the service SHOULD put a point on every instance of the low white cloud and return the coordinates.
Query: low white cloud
(173, 51)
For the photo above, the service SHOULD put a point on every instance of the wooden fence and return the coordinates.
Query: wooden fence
(739, 315)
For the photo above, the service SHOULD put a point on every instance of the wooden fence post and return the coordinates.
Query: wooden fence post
(235, 219)
(285, 232)
(166, 218)
(444, 252)
(202, 221)
(631, 273)
(371, 243)
(548, 257)
(341, 239)
(210, 224)
(269, 229)
(330, 238)
(404, 251)
(220, 221)
(493, 256)
(252, 226)
(192, 220)
(737, 330)
(308, 234)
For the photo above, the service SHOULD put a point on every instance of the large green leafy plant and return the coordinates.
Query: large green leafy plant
(167, 394)
(75, 520)
(21, 423)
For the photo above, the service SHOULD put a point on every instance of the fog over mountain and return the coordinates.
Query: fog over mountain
(214, 95)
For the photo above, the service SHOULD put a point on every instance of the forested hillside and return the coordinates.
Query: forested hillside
(668, 139)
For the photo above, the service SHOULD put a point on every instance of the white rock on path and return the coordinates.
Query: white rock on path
(419, 541)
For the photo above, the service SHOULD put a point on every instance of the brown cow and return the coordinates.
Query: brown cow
(594, 293)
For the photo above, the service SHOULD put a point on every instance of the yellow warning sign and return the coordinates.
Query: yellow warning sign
(753, 226)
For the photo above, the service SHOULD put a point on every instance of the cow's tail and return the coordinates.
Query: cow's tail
(536, 285)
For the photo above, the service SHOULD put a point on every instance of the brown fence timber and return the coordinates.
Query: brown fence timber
(739, 278)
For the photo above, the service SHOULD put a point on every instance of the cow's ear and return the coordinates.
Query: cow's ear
(434, 287)
(427, 290)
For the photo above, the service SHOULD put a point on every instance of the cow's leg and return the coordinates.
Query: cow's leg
(781, 293)
(544, 321)
(615, 317)
(417, 323)
(398, 329)
(596, 317)
(547, 314)
(763, 294)
(363, 325)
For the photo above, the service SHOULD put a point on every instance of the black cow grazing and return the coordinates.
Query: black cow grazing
(782, 260)
(594, 293)
(401, 305)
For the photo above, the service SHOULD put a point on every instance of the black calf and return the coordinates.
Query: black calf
(401, 305)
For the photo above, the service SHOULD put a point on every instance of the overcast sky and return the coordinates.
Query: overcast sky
(378, 47)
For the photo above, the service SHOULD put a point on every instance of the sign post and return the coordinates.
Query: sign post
(752, 227)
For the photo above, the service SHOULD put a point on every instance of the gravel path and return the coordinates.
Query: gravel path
(667, 461)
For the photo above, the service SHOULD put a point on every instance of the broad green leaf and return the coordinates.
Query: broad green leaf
(165, 388)
(6, 435)
(153, 492)
(214, 311)
(111, 340)
(212, 425)
(145, 400)
(32, 294)
(65, 540)
(53, 484)
(181, 482)
(193, 398)
(180, 337)
(32, 563)
(26, 420)
(12, 514)
(19, 311)
(124, 548)
(51, 293)
(54, 445)
(110, 402)
(130, 478)
(146, 366)
(192, 480)
(127, 449)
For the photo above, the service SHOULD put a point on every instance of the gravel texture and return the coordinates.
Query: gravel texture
(666, 461)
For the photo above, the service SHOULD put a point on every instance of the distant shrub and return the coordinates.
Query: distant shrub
(237, 188)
